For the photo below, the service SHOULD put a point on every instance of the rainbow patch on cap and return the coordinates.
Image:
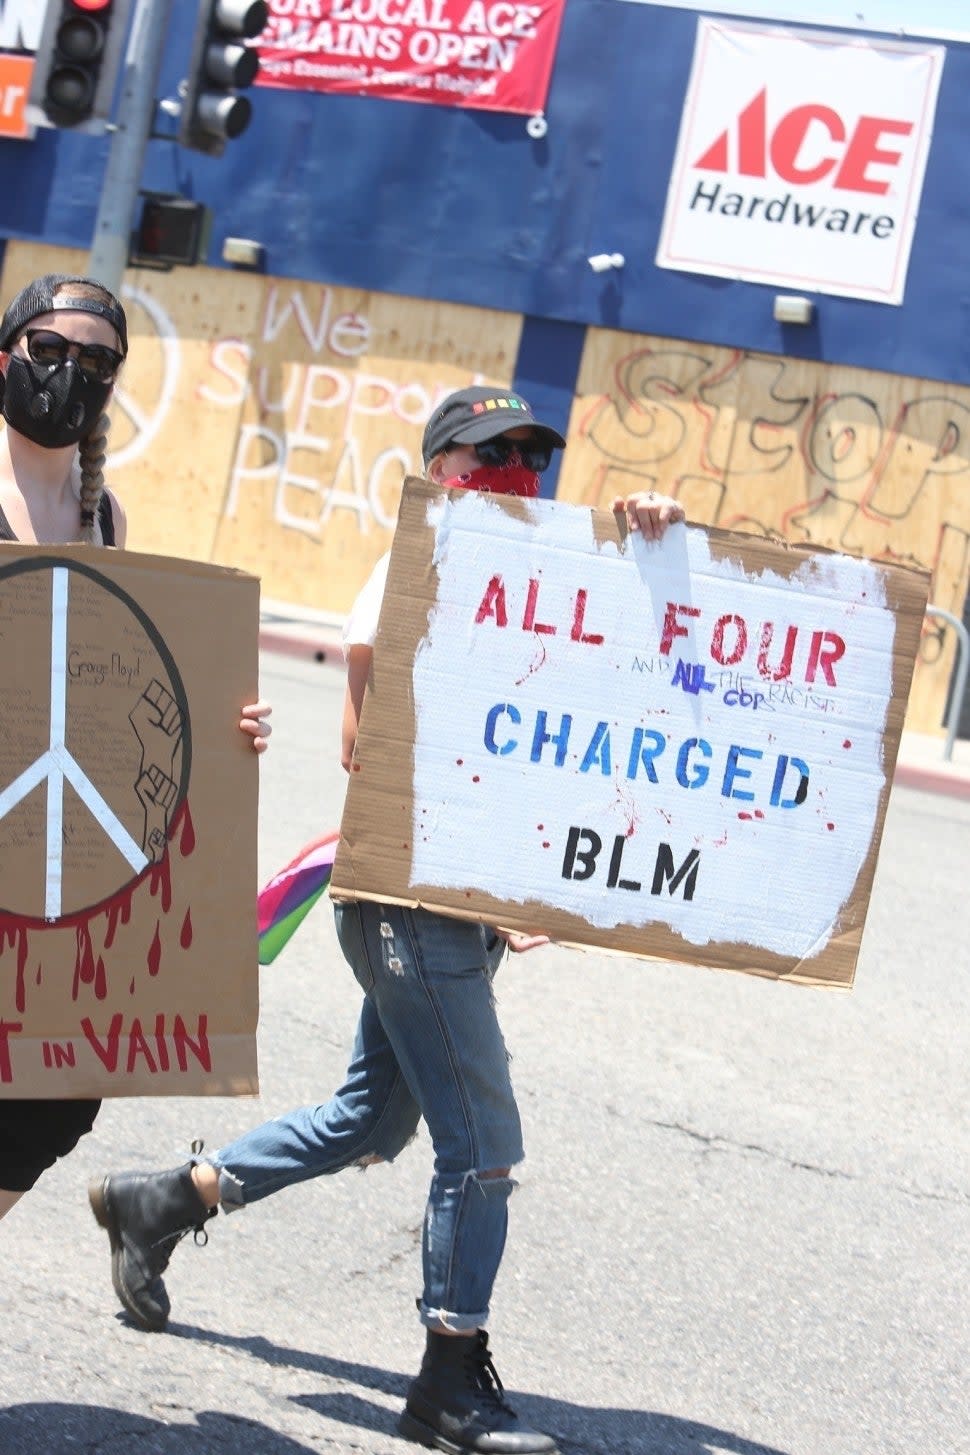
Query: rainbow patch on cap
(508, 403)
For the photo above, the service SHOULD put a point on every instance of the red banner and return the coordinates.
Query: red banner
(495, 55)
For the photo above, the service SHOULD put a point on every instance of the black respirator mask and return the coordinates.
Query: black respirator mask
(53, 405)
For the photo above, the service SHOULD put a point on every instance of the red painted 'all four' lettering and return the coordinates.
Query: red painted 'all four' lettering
(852, 154)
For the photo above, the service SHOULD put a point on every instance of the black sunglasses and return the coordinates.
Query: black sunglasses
(499, 450)
(96, 361)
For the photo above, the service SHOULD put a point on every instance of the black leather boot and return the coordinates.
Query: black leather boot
(457, 1402)
(145, 1214)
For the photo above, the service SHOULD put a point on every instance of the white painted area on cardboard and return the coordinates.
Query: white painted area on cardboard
(499, 824)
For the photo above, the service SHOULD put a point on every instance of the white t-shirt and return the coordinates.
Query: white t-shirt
(360, 628)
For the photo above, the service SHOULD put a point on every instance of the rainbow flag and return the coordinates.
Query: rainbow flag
(290, 895)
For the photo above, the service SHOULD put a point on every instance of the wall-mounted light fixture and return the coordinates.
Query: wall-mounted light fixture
(603, 262)
(242, 251)
(791, 308)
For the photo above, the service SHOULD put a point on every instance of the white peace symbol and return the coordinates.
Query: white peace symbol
(146, 426)
(57, 763)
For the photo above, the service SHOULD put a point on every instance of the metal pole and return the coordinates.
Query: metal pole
(136, 112)
(959, 677)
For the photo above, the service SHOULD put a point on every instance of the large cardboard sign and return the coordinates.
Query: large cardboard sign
(492, 57)
(128, 804)
(681, 750)
(800, 159)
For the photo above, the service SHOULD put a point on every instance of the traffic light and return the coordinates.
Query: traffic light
(221, 66)
(172, 231)
(77, 63)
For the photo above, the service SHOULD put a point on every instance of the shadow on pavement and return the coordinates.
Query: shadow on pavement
(575, 1427)
(30, 1429)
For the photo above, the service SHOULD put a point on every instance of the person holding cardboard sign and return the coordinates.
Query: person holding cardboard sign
(428, 1045)
(63, 341)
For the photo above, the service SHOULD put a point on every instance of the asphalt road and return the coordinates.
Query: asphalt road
(743, 1226)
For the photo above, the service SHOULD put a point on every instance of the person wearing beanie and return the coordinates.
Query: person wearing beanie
(63, 341)
(428, 1045)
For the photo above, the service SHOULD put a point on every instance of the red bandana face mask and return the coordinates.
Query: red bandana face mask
(509, 479)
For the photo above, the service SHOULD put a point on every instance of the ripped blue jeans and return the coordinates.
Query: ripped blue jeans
(428, 1044)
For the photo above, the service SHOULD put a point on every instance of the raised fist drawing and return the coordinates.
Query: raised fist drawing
(157, 720)
(157, 796)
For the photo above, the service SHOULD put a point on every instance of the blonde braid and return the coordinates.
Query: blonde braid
(91, 456)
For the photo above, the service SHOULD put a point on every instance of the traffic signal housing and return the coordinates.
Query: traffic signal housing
(77, 63)
(221, 65)
(172, 231)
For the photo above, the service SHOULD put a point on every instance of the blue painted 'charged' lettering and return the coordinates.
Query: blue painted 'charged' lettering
(510, 744)
(598, 751)
(700, 771)
(541, 737)
(733, 769)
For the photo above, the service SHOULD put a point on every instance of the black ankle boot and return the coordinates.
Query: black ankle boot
(457, 1402)
(145, 1214)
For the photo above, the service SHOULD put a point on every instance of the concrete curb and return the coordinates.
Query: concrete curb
(311, 646)
(946, 778)
(323, 646)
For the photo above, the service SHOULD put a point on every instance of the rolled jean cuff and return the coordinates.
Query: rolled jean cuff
(231, 1197)
(439, 1320)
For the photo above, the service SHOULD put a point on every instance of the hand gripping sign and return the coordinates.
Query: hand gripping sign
(127, 825)
(680, 749)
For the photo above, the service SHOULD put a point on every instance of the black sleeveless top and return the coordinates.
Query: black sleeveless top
(105, 518)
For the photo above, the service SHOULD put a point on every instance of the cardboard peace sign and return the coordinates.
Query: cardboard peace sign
(95, 746)
(127, 824)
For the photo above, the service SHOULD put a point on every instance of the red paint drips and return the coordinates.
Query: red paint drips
(187, 841)
(160, 877)
(112, 915)
(83, 959)
(155, 952)
(89, 968)
(21, 935)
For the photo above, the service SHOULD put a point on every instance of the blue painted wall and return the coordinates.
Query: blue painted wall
(442, 203)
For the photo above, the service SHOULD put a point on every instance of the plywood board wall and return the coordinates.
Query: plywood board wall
(268, 423)
(872, 464)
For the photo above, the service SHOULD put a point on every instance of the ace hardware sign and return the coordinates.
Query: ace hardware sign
(800, 159)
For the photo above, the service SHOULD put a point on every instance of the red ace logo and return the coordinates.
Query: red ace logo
(809, 144)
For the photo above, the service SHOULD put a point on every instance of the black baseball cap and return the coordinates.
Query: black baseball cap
(42, 296)
(480, 413)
